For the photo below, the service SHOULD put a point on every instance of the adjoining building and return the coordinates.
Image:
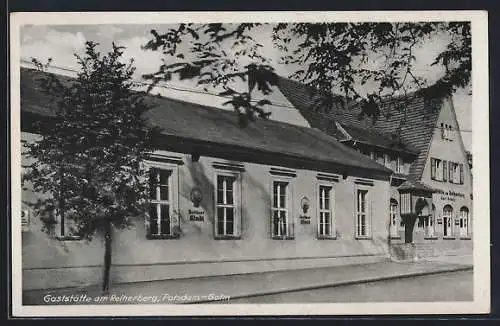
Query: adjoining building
(224, 200)
(418, 137)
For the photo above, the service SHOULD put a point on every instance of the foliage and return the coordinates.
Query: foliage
(89, 164)
(327, 56)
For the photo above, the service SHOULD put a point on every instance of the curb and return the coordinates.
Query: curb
(339, 283)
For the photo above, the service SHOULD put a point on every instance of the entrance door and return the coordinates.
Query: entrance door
(447, 221)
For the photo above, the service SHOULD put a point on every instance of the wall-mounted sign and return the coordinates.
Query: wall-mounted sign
(304, 219)
(196, 196)
(440, 221)
(197, 215)
(449, 195)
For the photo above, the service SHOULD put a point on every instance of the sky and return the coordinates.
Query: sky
(61, 42)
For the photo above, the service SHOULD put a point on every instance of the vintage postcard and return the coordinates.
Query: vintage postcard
(249, 163)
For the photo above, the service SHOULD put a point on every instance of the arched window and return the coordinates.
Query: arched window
(394, 217)
(447, 221)
(464, 221)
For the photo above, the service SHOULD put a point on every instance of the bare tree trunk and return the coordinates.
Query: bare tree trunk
(107, 256)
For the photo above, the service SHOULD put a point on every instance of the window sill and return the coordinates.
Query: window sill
(162, 237)
(465, 238)
(448, 238)
(69, 238)
(363, 237)
(227, 237)
(282, 238)
(395, 237)
(431, 238)
(327, 237)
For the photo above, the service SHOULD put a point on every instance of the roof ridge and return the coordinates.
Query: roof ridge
(198, 105)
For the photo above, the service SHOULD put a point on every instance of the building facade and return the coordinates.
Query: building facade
(223, 200)
(419, 139)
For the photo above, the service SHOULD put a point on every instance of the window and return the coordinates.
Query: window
(399, 165)
(379, 157)
(456, 173)
(429, 222)
(228, 207)
(446, 132)
(447, 221)
(464, 222)
(394, 218)
(439, 169)
(281, 225)
(326, 220)
(65, 226)
(387, 161)
(362, 213)
(160, 202)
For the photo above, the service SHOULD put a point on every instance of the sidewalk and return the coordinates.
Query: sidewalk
(223, 288)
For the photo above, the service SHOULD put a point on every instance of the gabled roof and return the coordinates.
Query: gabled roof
(212, 126)
(371, 136)
(415, 115)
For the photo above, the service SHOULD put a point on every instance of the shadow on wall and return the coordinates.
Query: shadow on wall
(264, 196)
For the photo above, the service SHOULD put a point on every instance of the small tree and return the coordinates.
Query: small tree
(88, 161)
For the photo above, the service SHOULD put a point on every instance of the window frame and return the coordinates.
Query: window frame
(333, 230)
(387, 161)
(290, 221)
(237, 204)
(451, 234)
(394, 231)
(430, 224)
(173, 200)
(368, 212)
(467, 221)
(438, 168)
(400, 165)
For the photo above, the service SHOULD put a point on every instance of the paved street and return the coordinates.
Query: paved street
(342, 283)
(454, 286)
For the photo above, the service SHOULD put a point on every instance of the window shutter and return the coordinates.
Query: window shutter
(433, 169)
(445, 172)
(461, 173)
(450, 172)
(239, 203)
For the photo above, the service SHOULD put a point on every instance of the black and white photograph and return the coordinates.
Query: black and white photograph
(249, 163)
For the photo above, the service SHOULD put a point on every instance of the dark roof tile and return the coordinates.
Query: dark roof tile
(200, 122)
(414, 115)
